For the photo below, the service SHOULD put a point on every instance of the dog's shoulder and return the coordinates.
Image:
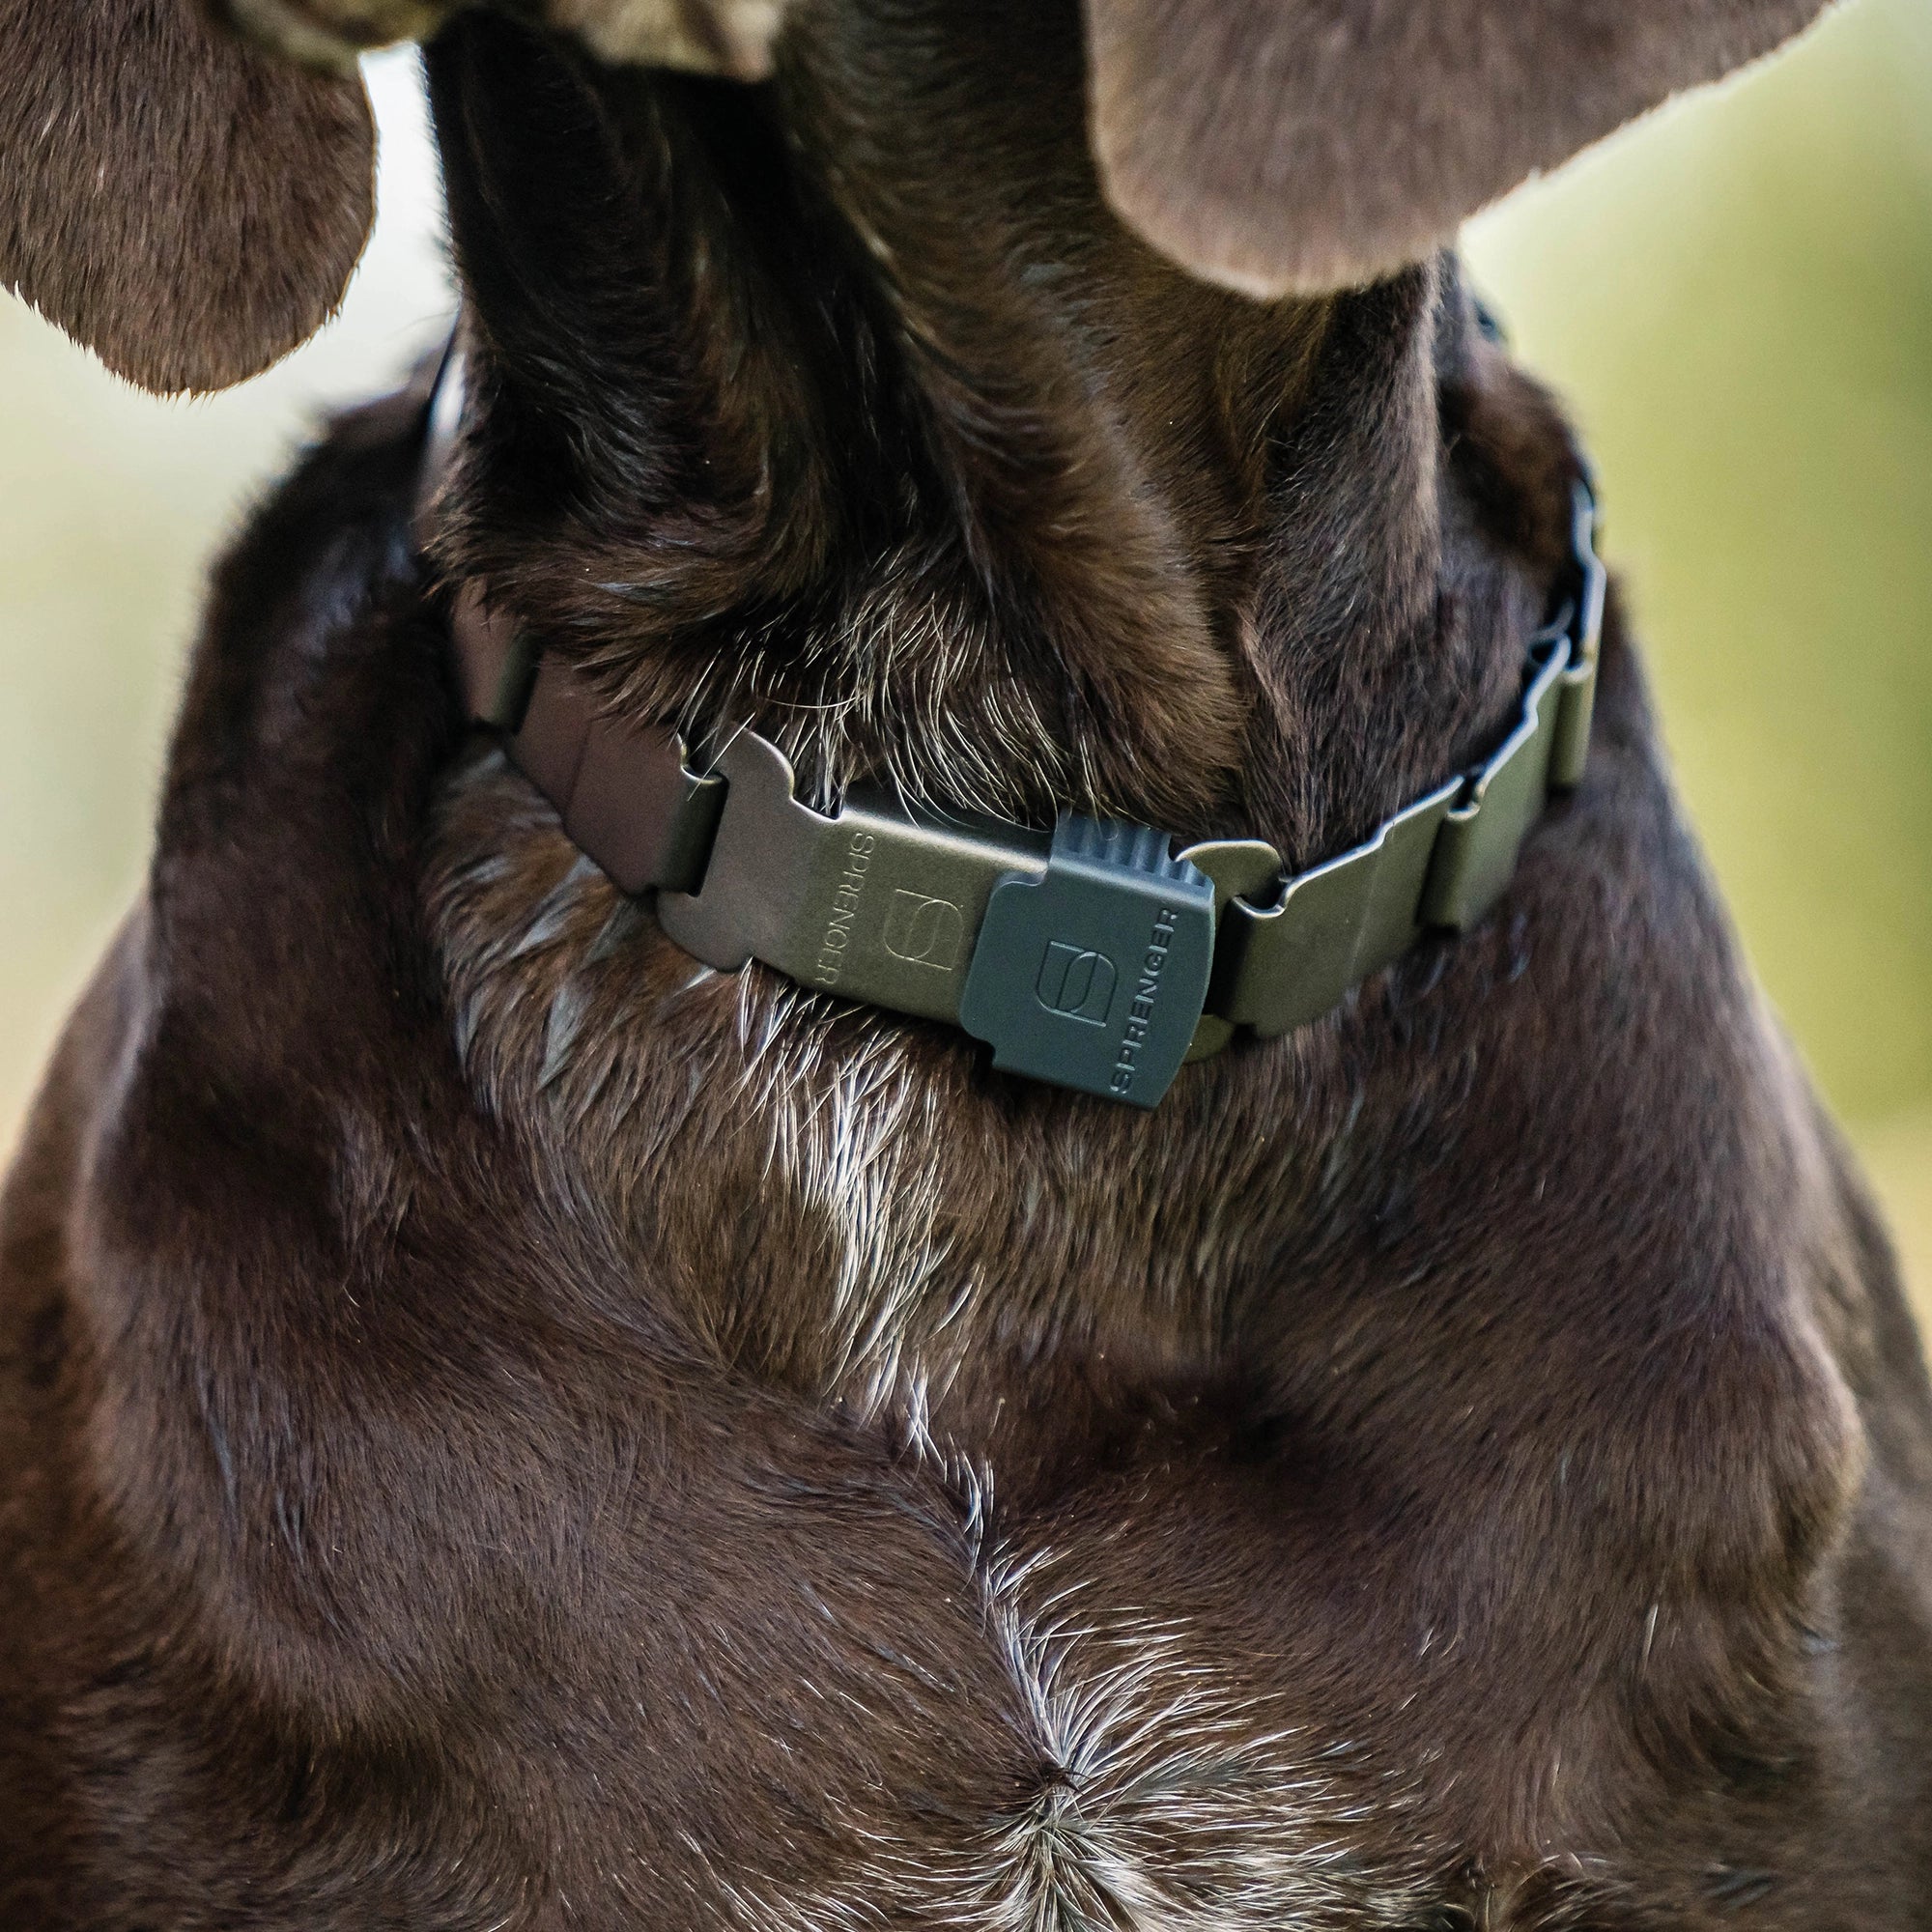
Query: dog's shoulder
(167, 1119)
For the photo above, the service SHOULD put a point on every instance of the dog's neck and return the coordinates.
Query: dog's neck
(948, 484)
(947, 481)
(953, 484)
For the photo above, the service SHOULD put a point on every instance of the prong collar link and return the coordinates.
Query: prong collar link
(1095, 959)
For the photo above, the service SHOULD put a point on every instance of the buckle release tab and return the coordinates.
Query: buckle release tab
(1094, 975)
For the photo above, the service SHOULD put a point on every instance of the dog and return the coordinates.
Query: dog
(512, 1422)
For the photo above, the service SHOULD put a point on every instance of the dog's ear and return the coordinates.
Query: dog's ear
(184, 204)
(1280, 146)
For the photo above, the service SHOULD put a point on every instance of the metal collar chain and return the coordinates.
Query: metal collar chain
(1096, 957)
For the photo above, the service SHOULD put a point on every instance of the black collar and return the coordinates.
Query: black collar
(1095, 958)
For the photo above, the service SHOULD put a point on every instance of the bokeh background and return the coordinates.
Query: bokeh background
(1734, 297)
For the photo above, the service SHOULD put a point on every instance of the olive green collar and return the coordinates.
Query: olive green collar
(1095, 958)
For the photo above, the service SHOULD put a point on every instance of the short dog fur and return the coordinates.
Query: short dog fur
(505, 1427)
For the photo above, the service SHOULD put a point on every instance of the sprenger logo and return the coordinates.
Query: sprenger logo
(924, 931)
(1076, 982)
(1140, 1013)
(831, 961)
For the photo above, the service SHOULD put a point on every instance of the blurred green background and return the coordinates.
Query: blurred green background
(1735, 297)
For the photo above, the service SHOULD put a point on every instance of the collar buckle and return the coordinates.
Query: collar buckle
(1095, 974)
(1083, 961)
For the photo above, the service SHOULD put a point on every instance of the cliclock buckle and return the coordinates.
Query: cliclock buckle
(1083, 961)
(1093, 975)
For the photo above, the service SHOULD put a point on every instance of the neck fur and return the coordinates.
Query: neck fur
(953, 482)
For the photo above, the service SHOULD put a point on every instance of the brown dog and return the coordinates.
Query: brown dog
(506, 1425)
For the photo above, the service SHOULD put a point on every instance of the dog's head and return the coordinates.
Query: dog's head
(190, 202)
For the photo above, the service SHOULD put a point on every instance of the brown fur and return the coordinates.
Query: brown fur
(1279, 145)
(187, 205)
(505, 1427)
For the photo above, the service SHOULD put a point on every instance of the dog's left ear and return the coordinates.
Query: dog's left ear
(184, 204)
(1280, 146)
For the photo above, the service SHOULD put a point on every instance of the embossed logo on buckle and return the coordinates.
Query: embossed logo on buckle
(1094, 975)
(924, 931)
(1078, 983)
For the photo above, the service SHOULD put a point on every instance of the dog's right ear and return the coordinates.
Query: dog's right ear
(184, 204)
(1295, 145)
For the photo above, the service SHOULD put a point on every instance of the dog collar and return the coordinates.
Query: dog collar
(1094, 957)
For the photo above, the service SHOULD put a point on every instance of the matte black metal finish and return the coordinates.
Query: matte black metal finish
(876, 904)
